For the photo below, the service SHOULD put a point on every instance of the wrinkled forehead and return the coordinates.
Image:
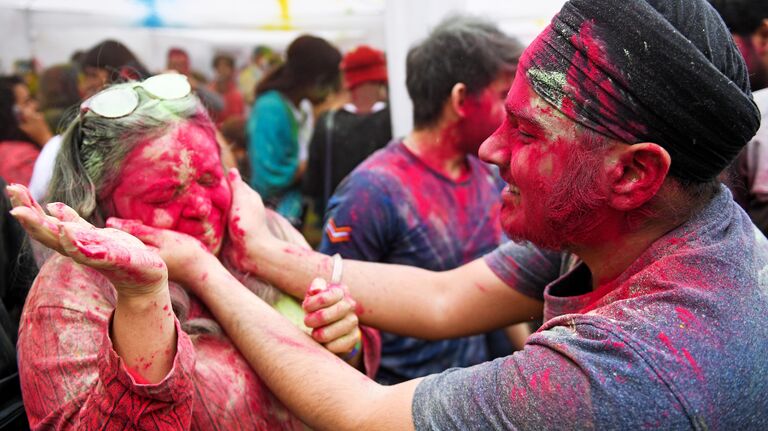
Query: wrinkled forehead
(184, 143)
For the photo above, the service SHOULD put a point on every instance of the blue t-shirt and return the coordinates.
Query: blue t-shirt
(273, 150)
(394, 208)
(677, 341)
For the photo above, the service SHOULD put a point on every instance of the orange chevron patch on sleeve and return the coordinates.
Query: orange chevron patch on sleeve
(337, 234)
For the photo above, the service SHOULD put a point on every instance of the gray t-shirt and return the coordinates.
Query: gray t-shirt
(677, 341)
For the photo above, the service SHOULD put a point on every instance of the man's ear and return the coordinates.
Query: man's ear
(635, 173)
(458, 99)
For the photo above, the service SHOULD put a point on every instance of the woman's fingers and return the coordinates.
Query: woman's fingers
(87, 246)
(322, 299)
(65, 213)
(38, 227)
(132, 267)
(21, 196)
(336, 330)
(345, 344)
(328, 315)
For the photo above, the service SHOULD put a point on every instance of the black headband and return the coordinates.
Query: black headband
(663, 71)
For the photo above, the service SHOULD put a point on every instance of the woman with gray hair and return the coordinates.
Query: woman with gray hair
(106, 340)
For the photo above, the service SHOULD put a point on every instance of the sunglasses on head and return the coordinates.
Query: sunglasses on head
(122, 101)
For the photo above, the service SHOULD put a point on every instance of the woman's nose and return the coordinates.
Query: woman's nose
(198, 206)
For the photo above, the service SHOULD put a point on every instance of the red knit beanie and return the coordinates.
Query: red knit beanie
(363, 64)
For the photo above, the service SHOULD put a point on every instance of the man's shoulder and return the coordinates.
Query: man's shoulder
(384, 166)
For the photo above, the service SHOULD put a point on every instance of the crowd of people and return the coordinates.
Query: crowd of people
(571, 237)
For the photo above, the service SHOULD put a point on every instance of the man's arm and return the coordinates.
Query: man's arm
(405, 300)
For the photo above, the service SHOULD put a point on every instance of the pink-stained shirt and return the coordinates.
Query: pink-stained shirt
(72, 378)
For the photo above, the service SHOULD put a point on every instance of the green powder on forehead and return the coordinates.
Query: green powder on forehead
(550, 83)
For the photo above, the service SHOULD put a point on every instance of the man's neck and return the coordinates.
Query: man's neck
(440, 148)
(615, 248)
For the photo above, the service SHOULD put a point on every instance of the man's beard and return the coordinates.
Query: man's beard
(570, 214)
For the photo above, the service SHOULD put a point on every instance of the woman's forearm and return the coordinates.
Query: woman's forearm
(144, 335)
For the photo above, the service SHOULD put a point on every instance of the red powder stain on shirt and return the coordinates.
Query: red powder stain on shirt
(137, 377)
(694, 365)
(541, 381)
(517, 394)
(668, 344)
(686, 316)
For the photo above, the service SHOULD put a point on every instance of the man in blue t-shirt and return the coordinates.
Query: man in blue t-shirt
(427, 200)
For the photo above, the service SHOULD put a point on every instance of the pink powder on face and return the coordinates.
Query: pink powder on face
(533, 150)
(177, 182)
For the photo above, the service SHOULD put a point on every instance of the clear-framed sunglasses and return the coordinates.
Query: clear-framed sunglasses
(122, 101)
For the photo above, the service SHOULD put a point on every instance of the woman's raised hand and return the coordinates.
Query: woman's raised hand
(130, 266)
(332, 317)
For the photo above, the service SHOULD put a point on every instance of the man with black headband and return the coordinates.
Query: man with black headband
(620, 118)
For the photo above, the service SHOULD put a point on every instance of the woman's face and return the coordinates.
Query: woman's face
(176, 182)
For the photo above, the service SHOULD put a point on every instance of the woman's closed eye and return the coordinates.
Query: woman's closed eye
(208, 179)
(161, 196)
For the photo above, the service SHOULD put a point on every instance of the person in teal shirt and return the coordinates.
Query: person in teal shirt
(311, 72)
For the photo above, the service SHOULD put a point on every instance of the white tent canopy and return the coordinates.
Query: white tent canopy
(51, 30)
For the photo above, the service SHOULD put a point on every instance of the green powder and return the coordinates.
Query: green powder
(550, 83)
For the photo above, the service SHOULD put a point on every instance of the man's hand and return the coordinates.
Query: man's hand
(187, 258)
(247, 225)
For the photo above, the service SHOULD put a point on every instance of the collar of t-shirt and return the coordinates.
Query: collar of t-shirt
(572, 292)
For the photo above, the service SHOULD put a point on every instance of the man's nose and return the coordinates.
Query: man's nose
(493, 149)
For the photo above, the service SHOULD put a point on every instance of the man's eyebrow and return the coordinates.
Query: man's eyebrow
(520, 115)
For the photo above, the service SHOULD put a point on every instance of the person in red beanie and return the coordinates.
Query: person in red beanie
(343, 138)
(365, 76)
